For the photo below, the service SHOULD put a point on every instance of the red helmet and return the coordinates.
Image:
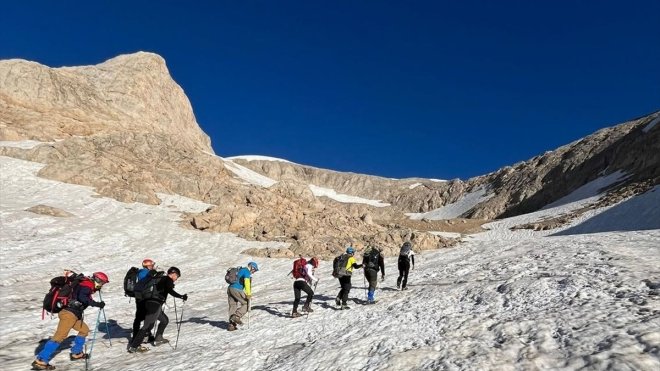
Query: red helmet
(100, 277)
(315, 262)
(146, 262)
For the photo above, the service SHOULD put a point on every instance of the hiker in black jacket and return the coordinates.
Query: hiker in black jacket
(163, 285)
(373, 261)
(406, 256)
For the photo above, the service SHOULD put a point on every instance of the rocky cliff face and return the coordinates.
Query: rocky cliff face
(513, 190)
(127, 129)
(129, 93)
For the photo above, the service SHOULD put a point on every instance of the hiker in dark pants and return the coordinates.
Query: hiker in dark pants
(373, 261)
(148, 265)
(345, 264)
(304, 281)
(406, 257)
(162, 286)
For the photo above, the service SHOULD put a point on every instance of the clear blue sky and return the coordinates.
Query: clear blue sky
(435, 89)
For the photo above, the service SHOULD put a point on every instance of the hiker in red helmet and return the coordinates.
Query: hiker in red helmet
(71, 317)
(303, 273)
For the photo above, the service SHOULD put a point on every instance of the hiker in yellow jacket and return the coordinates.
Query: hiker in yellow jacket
(343, 266)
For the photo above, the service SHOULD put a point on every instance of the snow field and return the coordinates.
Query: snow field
(502, 301)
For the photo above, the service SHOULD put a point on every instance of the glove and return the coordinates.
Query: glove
(382, 277)
(184, 297)
(100, 304)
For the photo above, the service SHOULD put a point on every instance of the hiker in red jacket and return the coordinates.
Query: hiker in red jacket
(71, 317)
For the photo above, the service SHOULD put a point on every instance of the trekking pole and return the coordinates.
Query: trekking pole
(178, 329)
(107, 327)
(249, 310)
(96, 327)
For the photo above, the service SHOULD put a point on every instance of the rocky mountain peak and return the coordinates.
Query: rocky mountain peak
(129, 93)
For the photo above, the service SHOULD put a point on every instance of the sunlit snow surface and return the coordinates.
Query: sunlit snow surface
(340, 197)
(454, 210)
(502, 301)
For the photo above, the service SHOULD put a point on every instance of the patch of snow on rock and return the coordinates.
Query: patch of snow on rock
(248, 175)
(591, 189)
(331, 193)
(651, 125)
(455, 209)
(24, 144)
(257, 158)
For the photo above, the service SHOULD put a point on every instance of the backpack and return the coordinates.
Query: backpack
(62, 291)
(299, 270)
(339, 266)
(146, 288)
(405, 250)
(130, 279)
(231, 277)
(372, 259)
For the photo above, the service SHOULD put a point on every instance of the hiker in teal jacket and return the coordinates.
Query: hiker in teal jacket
(240, 292)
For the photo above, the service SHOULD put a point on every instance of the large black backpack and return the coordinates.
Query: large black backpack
(146, 288)
(130, 280)
(62, 291)
(339, 266)
(371, 259)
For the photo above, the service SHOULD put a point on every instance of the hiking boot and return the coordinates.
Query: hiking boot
(337, 301)
(235, 320)
(41, 365)
(344, 307)
(295, 315)
(307, 309)
(405, 288)
(149, 339)
(231, 327)
(398, 285)
(79, 356)
(139, 349)
(160, 341)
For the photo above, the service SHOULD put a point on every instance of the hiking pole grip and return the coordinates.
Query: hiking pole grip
(107, 327)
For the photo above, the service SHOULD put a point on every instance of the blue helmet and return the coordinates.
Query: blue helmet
(350, 250)
(254, 266)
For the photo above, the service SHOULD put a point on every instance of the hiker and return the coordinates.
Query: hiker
(148, 265)
(343, 266)
(156, 288)
(406, 256)
(373, 261)
(239, 294)
(303, 272)
(71, 317)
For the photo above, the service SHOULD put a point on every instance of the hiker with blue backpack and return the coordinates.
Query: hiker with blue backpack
(239, 292)
(153, 290)
(303, 273)
(69, 308)
(342, 268)
(148, 265)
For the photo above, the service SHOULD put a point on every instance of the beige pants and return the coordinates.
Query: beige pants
(236, 297)
(67, 322)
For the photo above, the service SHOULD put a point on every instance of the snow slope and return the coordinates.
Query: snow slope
(502, 301)
(454, 210)
(341, 197)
